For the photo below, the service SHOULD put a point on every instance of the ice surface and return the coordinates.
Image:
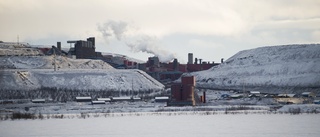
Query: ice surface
(253, 125)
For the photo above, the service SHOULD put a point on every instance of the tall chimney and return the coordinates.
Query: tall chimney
(175, 65)
(196, 61)
(190, 58)
(200, 61)
(59, 45)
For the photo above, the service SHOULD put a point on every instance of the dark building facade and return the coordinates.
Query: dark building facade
(84, 49)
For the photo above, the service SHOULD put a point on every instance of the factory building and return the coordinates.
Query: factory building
(183, 94)
(168, 72)
(83, 49)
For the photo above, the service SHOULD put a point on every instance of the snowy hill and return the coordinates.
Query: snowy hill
(80, 79)
(24, 70)
(287, 68)
(46, 62)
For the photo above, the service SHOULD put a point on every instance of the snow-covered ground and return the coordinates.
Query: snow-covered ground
(287, 68)
(47, 62)
(255, 125)
(21, 72)
(78, 79)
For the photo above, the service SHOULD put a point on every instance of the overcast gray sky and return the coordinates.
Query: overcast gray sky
(210, 29)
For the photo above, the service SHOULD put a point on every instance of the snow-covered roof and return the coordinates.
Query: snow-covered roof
(98, 102)
(286, 95)
(254, 92)
(236, 95)
(104, 99)
(161, 98)
(38, 100)
(136, 98)
(83, 98)
(121, 98)
(305, 93)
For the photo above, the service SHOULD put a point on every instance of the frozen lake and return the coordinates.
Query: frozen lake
(220, 125)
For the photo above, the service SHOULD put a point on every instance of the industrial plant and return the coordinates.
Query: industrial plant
(164, 72)
(65, 60)
(121, 76)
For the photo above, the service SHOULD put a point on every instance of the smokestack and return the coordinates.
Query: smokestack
(196, 61)
(92, 40)
(175, 65)
(200, 61)
(59, 45)
(221, 60)
(190, 58)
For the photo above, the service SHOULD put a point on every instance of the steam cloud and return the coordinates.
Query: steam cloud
(111, 28)
(137, 43)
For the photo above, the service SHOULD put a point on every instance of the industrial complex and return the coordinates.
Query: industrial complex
(164, 72)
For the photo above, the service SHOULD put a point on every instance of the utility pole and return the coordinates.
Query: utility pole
(18, 39)
(132, 87)
(54, 59)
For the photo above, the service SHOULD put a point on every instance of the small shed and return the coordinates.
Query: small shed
(225, 96)
(136, 99)
(269, 95)
(98, 102)
(121, 99)
(38, 101)
(255, 94)
(286, 95)
(316, 102)
(236, 96)
(104, 99)
(308, 94)
(161, 99)
(83, 99)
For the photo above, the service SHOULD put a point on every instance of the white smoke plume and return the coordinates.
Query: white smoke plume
(111, 28)
(150, 45)
(137, 43)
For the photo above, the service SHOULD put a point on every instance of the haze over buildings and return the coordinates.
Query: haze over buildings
(210, 29)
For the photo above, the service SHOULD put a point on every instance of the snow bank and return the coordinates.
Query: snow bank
(290, 68)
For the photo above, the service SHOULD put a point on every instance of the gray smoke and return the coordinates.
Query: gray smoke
(140, 42)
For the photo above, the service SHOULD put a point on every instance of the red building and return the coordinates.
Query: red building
(182, 94)
(168, 72)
